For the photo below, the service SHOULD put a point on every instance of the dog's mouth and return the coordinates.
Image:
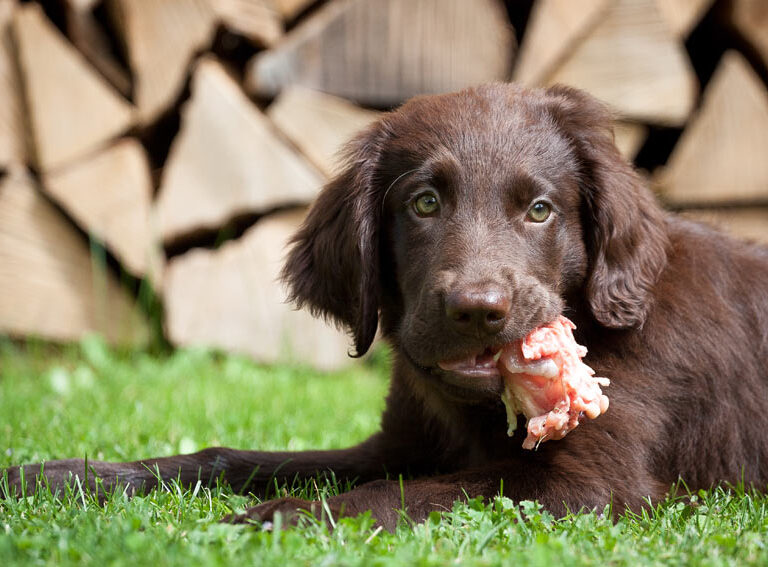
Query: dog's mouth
(478, 364)
(477, 371)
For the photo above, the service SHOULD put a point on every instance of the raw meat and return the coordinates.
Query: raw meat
(546, 381)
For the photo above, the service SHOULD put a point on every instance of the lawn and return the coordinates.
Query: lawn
(89, 400)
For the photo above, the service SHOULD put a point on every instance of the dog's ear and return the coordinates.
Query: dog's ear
(333, 263)
(625, 228)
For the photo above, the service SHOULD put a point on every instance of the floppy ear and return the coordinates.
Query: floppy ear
(333, 263)
(624, 226)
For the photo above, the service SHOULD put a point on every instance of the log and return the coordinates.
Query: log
(750, 18)
(73, 110)
(683, 15)
(746, 223)
(629, 138)
(721, 156)
(50, 285)
(382, 53)
(633, 62)
(82, 5)
(13, 142)
(230, 299)
(226, 161)
(161, 39)
(92, 41)
(258, 20)
(110, 195)
(318, 124)
(289, 9)
(554, 28)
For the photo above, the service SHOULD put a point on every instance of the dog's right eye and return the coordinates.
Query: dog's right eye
(426, 204)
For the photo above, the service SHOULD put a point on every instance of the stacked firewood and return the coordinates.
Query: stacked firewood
(174, 145)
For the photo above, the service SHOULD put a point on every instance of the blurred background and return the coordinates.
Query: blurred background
(155, 155)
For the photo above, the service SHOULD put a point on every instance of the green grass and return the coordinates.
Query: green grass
(88, 400)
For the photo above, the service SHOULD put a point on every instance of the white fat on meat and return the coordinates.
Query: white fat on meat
(546, 381)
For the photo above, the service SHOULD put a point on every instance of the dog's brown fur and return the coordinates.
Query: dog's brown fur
(675, 314)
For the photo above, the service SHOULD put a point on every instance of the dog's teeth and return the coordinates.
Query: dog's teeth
(497, 356)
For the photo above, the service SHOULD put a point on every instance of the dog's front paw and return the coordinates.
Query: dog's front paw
(289, 509)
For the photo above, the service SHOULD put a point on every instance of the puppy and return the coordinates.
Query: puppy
(460, 223)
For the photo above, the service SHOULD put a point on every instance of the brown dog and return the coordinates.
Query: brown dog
(462, 222)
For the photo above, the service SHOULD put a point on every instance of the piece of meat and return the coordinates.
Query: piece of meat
(546, 381)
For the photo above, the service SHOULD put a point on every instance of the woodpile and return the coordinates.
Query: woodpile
(176, 144)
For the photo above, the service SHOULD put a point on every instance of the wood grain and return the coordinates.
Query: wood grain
(721, 156)
(750, 18)
(554, 28)
(110, 195)
(229, 299)
(50, 285)
(632, 61)
(683, 15)
(382, 53)
(93, 42)
(318, 124)
(745, 223)
(161, 39)
(257, 20)
(289, 9)
(629, 138)
(73, 110)
(13, 137)
(227, 161)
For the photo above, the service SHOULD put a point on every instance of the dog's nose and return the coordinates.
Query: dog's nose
(473, 310)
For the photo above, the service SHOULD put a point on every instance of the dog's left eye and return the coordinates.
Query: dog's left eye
(426, 204)
(539, 211)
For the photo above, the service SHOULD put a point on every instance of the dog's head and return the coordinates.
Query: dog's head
(465, 220)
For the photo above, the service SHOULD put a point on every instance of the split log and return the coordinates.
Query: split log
(13, 142)
(229, 299)
(289, 9)
(382, 53)
(633, 62)
(318, 124)
(82, 5)
(745, 223)
(258, 20)
(226, 161)
(161, 39)
(721, 156)
(683, 15)
(109, 195)
(554, 28)
(750, 18)
(629, 138)
(73, 110)
(92, 41)
(50, 286)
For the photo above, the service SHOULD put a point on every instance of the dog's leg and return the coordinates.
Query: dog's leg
(561, 485)
(248, 471)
